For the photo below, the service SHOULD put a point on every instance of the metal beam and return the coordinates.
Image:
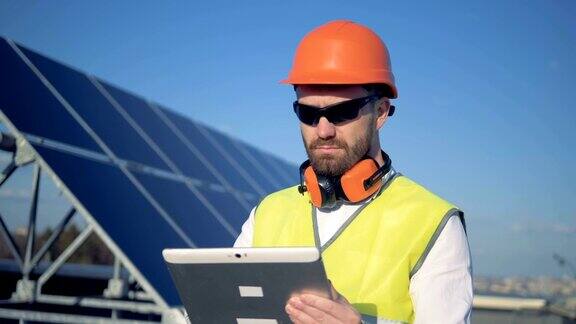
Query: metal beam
(136, 307)
(44, 249)
(31, 235)
(10, 242)
(140, 295)
(7, 172)
(46, 317)
(117, 268)
(62, 258)
(117, 287)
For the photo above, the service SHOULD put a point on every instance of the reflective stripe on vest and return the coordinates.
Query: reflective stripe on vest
(372, 259)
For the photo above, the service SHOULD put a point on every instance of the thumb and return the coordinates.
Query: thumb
(334, 294)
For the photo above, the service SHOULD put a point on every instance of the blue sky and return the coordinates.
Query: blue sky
(485, 114)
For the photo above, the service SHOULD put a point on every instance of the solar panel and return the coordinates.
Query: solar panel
(175, 149)
(283, 168)
(30, 106)
(146, 177)
(270, 170)
(273, 179)
(287, 169)
(225, 144)
(87, 101)
(188, 212)
(224, 166)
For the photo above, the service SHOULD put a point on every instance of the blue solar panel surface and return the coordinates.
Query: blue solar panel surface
(176, 150)
(98, 113)
(285, 174)
(234, 154)
(190, 130)
(186, 210)
(160, 180)
(24, 99)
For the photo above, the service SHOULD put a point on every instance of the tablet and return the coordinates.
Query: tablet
(244, 285)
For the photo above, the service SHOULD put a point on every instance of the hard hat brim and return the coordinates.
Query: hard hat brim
(338, 78)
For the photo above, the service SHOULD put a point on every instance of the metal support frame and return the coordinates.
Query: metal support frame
(132, 306)
(7, 172)
(62, 258)
(4, 176)
(10, 242)
(31, 234)
(117, 287)
(46, 317)
(30, 291)
(44, 249)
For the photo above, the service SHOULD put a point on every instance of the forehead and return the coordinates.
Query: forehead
(330, 92)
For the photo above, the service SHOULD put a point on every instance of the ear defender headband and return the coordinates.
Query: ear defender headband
(356, 184)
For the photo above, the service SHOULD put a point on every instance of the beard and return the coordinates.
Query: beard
(334, 165)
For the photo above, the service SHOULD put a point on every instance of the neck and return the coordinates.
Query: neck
(376, 153)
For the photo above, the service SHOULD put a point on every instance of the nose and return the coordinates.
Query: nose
(325, 129)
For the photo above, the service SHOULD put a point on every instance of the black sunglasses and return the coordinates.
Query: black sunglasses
(336, 113)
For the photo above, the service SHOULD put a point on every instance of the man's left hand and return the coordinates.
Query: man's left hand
(312, 309)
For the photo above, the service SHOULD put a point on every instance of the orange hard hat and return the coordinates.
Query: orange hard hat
(342, 52)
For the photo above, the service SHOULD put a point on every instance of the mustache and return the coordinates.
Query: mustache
(327, 142)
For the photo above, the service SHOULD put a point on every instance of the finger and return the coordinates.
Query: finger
(335, 294)
(330, 307)
(318, 315)
(293, 319)
(298, 316)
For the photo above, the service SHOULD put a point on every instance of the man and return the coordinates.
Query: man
(394, 252)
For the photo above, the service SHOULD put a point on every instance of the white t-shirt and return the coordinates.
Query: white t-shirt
(441, 290)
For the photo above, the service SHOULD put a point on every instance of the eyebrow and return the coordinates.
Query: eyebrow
(332, 104)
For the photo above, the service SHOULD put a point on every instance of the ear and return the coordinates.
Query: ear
(382, 108)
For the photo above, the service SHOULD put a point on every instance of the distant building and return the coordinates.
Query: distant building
(498, 309)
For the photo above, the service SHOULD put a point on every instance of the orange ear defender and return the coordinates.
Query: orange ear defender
(358, 183)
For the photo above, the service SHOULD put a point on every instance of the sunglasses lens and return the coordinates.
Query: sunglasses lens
(307, 114)
(343, 112)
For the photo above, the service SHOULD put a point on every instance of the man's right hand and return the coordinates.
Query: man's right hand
(312, 309)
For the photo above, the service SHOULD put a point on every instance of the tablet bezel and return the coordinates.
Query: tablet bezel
(241, 255)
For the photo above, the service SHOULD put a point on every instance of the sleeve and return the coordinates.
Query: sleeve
(442, 289)
(245, 237)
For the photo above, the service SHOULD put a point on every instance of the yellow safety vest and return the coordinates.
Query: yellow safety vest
(371, 259)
